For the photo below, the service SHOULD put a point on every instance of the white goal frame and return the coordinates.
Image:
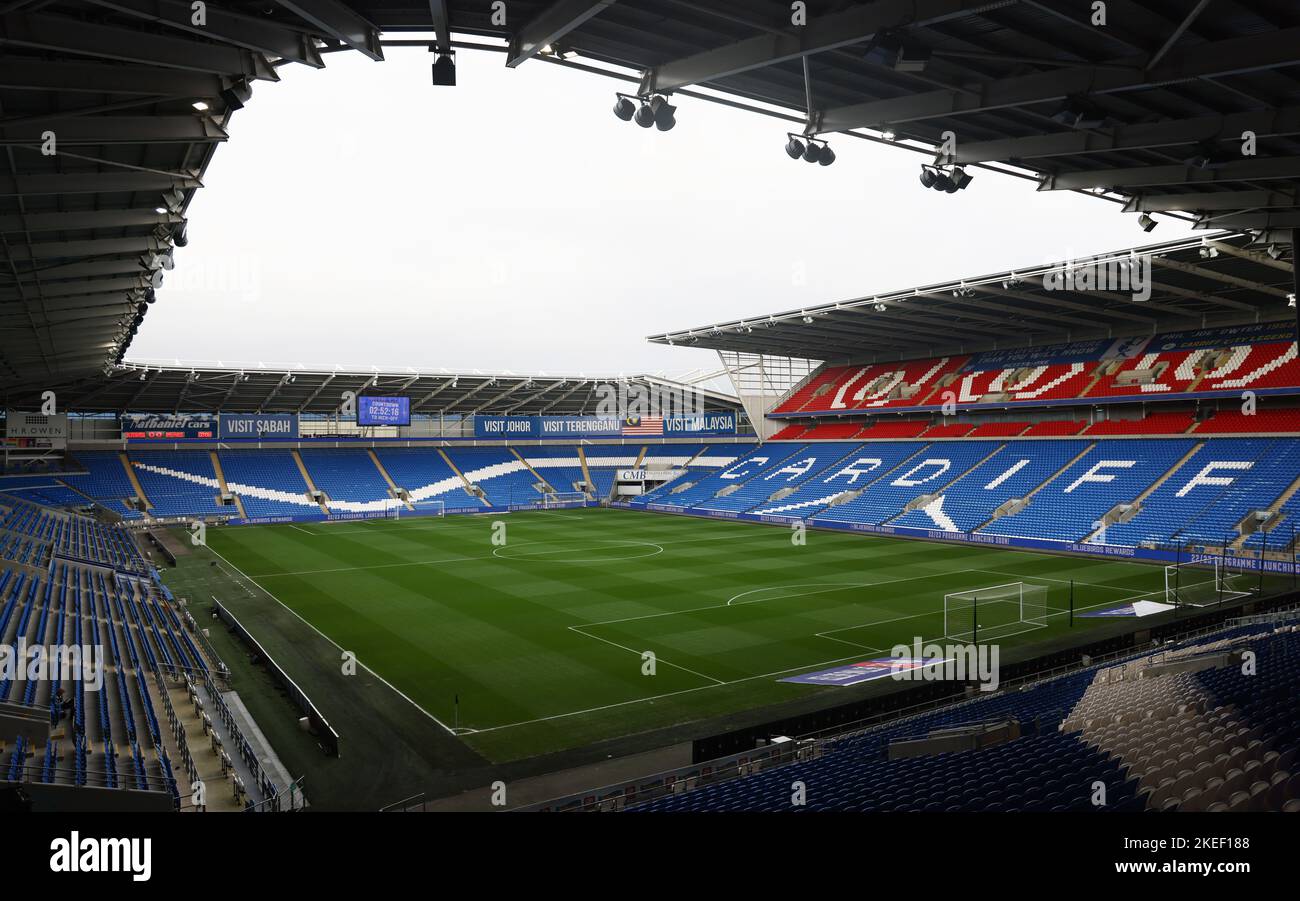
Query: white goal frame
(1200, 583)
(423, 508)
(562, 498)
(1031, 611)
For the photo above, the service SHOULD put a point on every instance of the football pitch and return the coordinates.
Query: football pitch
(535, 638)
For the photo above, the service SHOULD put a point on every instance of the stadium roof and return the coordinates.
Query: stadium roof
(110, 110)
(1195, 283)
(154, 388)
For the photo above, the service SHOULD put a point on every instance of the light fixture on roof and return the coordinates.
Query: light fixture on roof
(173, 200)
(889, 134)
(200, 105)
(444, 70)
(887, 49)
(1147, 222)
(654, 111)
(1079, 113)
(1208, 253)
(815, 150)
(1273, 251)
(880, 308)
(949, 181)
(239, 93)
(645, 116)
(808, 320)
(665, 113)
(160, 210)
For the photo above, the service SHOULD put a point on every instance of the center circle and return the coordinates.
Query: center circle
(554, 554)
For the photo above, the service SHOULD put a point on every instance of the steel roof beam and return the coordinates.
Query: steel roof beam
(104, 78)
(1232, 56)
(86, 220)
(92, 183)
(1223, 277)
(1170, 133)
(1214, 200)
(822, 33)
(337, 20)
(50, 250)
(228, 26)
(81, 130)
(441, 24)
(95, 39)
(551, 24)
(1249, 169)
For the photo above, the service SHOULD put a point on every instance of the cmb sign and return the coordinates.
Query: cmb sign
(631, 475)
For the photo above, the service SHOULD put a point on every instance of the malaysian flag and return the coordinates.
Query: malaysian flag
(643, 425)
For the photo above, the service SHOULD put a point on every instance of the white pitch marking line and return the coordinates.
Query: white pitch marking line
(624, 647)
(400, 693)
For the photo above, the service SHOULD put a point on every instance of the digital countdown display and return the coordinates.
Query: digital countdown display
(383, 410)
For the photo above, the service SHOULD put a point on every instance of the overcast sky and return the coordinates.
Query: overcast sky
(360, 216)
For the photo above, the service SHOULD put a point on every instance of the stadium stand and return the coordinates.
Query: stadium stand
(349, 479)
(179, 483)
(1212, 492)
(427, 476)
(561, 467)
(780, 481)
(1108, 474)
(926, 471)
(1012, 473)
(604, 462)
(1262, 422)
(268, 483)
(105, 480)
(1053, 428)
(1154, 424)
(1184, 729)
(856, 470)
(1213, 365)
(504, 478)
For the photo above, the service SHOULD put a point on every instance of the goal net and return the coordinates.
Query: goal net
(563, 498)
(994, 611)
(1202, 583)
(422, 508)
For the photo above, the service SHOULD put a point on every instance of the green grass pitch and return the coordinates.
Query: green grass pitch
(542, 638)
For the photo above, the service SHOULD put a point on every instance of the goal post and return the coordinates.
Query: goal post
(994, 611)
(563, 498)
(427, 508)
(1208, 581)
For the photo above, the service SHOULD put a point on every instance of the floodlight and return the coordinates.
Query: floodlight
(794, 148)
(239, 93)
(444, 71)
(624, 108)
(645, 116)
(665, 113)
(1147, 222)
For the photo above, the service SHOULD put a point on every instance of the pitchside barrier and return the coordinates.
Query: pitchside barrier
(324, 732)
